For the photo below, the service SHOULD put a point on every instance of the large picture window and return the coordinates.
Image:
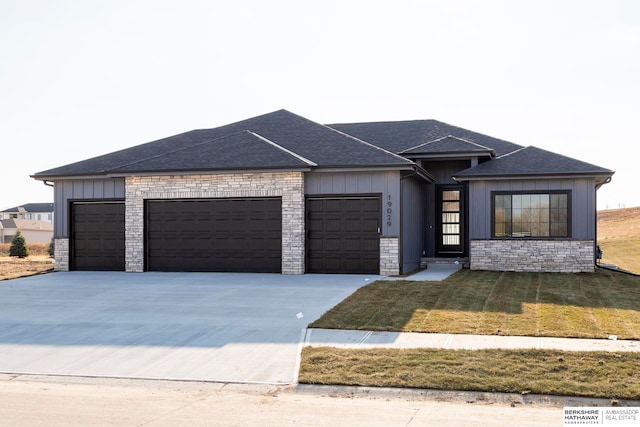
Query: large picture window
(531, 214)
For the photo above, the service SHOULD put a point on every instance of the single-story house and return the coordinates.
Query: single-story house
(281, 193)
(34, 231)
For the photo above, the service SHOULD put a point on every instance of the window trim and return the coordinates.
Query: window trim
(522, 192)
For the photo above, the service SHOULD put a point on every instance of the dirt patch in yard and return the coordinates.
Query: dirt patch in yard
(37, 262)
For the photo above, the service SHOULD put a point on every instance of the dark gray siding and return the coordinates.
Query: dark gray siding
(88, 189)
(385, 183)
(442, 171)
(413, 209)
(583, 203)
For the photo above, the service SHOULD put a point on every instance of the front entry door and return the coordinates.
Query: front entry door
(450, 220)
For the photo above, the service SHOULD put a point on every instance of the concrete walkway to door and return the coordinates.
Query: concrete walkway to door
(191, 326)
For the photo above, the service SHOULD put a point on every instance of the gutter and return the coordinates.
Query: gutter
(606, 181)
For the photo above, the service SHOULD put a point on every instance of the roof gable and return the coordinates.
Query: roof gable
(532, 161)
(448, 144)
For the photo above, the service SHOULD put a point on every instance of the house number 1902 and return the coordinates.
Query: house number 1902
(389, 210)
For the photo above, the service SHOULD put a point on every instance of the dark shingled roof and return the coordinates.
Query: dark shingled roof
(233, 151)
(403, 135)
(32, 207)
(532, 161)
(232, 144)
(448, 144)
(283, 140)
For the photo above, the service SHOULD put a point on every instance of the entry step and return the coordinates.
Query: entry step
(426, 261)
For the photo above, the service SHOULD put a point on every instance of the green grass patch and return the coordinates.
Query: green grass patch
(589, 305)
(588, 374)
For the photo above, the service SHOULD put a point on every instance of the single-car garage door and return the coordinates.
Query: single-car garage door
(240, 235)
(343, 234)
(97, 236)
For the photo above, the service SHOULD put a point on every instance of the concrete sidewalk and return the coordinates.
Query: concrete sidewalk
(371, 339)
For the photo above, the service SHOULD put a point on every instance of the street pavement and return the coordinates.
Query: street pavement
(62, 401)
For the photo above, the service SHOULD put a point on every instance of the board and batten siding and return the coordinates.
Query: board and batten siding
(81, 189)
(340, 183)
(583, 203)
(413, 212)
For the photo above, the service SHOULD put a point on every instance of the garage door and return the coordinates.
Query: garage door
(241, 235)
(97, 236)
(343, 234)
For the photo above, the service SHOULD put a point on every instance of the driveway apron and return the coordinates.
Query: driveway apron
(225, 327)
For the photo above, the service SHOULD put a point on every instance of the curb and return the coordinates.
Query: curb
(471, 397)
(335, 391)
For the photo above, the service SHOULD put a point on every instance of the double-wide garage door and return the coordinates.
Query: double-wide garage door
(343, 234)
(240, 235)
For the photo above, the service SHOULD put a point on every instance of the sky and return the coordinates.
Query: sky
(83, 78)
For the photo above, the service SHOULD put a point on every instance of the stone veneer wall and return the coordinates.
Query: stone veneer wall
(564, 256)
(389, 255)
(61, 255)
(288, 185)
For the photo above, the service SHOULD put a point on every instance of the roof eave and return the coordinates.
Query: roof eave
(424, 174)
(56, 177)
(364, 168)
(501, 177)
(125, 174)
(447, 155)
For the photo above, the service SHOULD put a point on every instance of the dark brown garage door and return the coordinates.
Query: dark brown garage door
(343, 234)
(241, 235)
(97, 236)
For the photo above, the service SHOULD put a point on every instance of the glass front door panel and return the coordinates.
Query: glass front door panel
(450, 239)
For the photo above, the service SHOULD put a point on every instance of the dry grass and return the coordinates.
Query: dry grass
(37, 262)
(34, 249)
(592, 374)
(590, 305)
(565, 305)
(619, 237)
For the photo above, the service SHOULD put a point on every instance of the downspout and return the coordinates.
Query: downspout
(47, 183)
(596, 263)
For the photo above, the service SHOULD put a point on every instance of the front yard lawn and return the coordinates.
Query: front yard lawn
(588, 374)
(482, 302)
(590, 305)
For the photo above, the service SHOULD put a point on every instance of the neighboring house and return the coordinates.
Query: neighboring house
(280, 193)
(33, 231)
(34, 211)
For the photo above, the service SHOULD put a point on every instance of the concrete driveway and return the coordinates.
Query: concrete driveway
(189, 326)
